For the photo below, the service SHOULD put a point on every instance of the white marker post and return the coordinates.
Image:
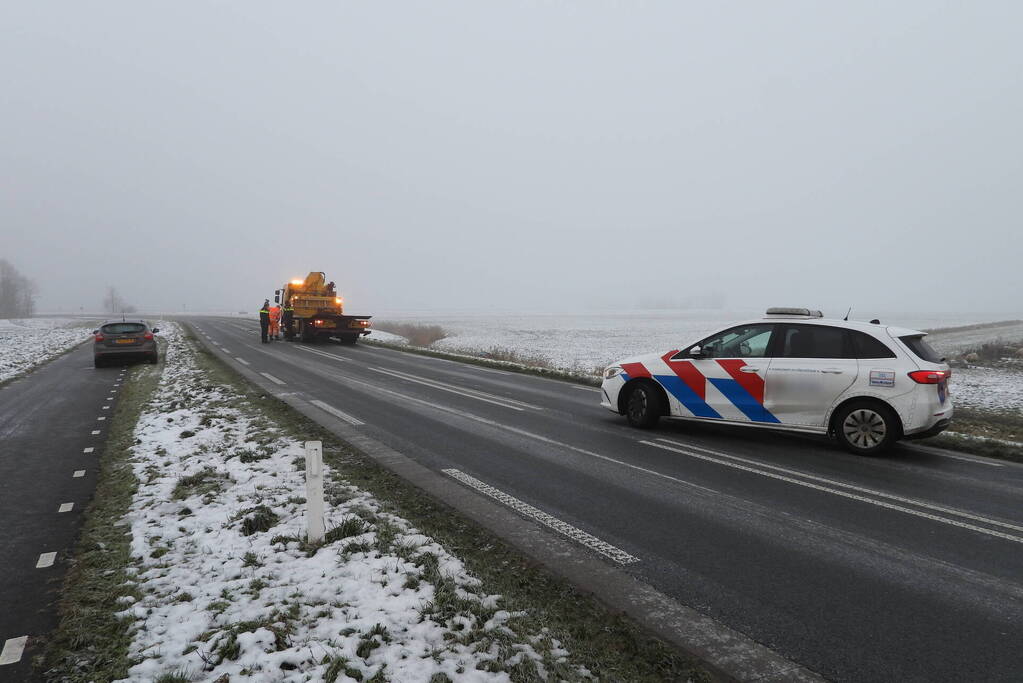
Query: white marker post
(314, 491)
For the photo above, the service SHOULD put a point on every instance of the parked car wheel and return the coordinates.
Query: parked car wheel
(866, 427)
(643, 406)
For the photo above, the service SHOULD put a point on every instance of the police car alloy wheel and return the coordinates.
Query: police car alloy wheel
(865, 428)
(642, 408)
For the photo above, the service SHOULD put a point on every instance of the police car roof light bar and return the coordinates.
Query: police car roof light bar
(801, 312)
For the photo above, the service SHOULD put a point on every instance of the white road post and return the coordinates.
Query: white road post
(314, 490)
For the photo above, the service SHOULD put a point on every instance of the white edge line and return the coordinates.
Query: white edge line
(66, 507)
(79, 473)
(592, 542)
(272, 378)
(844, 494)
(46, 560)
(242, 361)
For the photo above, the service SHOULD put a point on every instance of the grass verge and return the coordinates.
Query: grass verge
(91, 642)
(981, 432)
(610, 645)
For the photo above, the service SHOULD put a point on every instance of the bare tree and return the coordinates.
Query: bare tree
(113, 303)
(17, 292)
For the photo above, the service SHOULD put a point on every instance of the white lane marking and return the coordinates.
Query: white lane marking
(324, 353)
(46, 560)
(95, 431)
(582, 388)
(13, 648)
(110, 398)
(470, 393)
(592, 542)
(225, 349)
(838, 492)
(66, 507)
(272, 378)
(78, 473)
(242, 361)
(975, 461)
(338, 413)
(106, 407)
(101, 418)
(522, 432)
(88, 450)
(860, 489)
(496, 372)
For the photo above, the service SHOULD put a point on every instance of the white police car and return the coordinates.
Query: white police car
(866, 384)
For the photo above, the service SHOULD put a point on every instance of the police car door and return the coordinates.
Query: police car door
(812, 366)
(727, 374)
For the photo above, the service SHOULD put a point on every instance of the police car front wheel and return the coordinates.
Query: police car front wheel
(643, 406)
(866, 427)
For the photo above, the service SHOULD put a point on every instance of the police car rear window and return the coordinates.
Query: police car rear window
(866, 346)
(922, 349)
(123, 328)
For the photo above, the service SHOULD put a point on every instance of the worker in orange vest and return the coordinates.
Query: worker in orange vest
(275, 322)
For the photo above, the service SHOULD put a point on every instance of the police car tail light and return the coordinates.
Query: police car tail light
(928, 376)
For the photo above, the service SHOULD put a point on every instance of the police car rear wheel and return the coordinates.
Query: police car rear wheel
(866, 428)
(642, 407)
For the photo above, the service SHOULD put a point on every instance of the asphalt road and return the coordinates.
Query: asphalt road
(898, 568)
(53, 425)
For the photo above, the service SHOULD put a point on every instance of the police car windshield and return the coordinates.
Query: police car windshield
(922, 349)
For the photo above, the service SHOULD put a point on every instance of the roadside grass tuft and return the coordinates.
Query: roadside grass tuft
(91, 641)
(176, 676)
(349, 526)
(259, 518)
(416, 333)
(205, 481)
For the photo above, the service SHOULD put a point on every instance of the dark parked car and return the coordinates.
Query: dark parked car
(124, 339)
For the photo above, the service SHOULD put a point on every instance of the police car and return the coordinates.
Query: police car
(866, 384)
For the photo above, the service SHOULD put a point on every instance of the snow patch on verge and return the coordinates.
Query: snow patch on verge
(28, 342)
(230, 587)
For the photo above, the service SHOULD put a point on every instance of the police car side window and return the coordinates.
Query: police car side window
(745, 341)
(814, 341)
(869, 347)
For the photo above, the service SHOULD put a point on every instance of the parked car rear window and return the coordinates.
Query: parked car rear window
(866, 346)
(922, 349)
(123, 328)
(813, 341)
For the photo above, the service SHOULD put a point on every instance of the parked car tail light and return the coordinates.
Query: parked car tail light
(148, 336)
(100, 337)
(929, 376)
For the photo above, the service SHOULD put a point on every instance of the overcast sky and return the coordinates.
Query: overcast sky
(515, 155)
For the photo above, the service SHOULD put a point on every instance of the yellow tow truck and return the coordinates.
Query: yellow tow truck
(319, 312)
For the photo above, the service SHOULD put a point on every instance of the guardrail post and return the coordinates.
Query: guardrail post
(314, 491)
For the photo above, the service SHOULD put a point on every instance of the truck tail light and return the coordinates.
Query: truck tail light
(928, 376)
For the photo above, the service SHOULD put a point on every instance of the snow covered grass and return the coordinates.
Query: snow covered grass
(226, 583)
(28, 342)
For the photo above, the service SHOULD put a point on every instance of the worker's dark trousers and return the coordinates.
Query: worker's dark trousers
(263, 326)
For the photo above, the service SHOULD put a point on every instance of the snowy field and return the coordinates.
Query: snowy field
(585, 343)
(228, 590)
(29, 342)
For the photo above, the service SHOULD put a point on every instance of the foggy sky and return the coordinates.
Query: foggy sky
(515, 155)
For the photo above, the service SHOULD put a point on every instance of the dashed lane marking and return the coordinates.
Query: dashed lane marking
(462, 391)
(338, 413)
(13, 647)
(78, 473)
(225, 349)
(242, 361)
(46, 560)
(592, 542)
(272, 378)
(95, 431)
(106, 407)
(101, 418)
(90, 449)
(66, 507)
(843, 494)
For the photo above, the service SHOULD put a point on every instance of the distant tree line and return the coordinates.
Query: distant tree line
(17, 292)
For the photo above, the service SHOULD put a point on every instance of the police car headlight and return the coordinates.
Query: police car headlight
(612, 371)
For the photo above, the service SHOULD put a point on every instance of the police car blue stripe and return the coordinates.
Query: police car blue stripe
(743, 400)
(686, 396)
